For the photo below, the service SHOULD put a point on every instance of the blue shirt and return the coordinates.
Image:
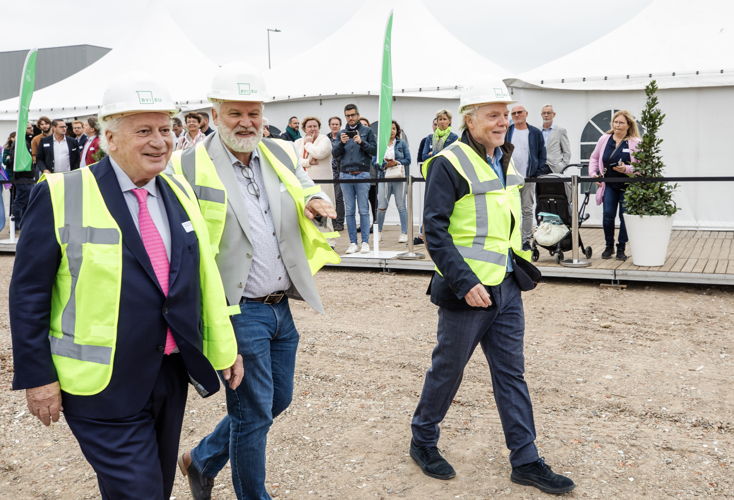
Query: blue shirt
(495, 163)
(547, 133)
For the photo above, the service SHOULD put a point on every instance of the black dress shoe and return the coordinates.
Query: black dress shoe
(418, 241)
(526, 247)
(607, 253)
(620, 253)
(200, 486)
(540, 475)
(431, 462)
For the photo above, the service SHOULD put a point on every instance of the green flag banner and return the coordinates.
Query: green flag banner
(385, 124)
(23, 158)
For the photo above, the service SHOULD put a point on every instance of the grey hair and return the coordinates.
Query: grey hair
(466, 112)
(548, 106)
(111, 124)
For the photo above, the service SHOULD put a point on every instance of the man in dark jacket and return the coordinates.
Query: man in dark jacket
(57, 152)
(481, 271)
(529, 158)
(354, 150)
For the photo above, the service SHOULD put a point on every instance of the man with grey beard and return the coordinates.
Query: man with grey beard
(258, 204)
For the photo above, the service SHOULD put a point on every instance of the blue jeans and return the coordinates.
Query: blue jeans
(614, 198)
(384, 191)
(267, 339)
(499, 330)
(356, 194)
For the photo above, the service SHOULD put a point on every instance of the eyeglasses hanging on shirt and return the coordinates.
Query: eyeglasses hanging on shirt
(252, 186)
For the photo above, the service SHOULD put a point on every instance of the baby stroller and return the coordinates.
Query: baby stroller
(555, 199)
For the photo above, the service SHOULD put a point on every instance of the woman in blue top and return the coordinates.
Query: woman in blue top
(395, 164)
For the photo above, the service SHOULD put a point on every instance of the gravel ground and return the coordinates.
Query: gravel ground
(632, 393)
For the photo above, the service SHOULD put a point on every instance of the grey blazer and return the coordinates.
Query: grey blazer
(235, 250)
(558, 149)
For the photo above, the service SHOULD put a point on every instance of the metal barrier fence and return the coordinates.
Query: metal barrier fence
(587, 183)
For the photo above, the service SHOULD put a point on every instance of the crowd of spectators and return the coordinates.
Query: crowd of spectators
(348, 150)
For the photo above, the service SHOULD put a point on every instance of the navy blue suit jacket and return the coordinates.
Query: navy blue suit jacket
(536, 144)
(144, 311)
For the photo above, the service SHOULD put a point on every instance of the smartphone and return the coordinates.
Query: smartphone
(351, 133)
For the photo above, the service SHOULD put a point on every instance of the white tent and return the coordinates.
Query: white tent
(687, 49)
(677, 43)
(157, 47)
(426, 58)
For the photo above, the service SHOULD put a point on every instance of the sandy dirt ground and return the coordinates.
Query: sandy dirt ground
(632, 392)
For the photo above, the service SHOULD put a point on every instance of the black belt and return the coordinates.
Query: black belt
(272, 298)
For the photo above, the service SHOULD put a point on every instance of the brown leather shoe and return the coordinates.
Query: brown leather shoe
(200, 486)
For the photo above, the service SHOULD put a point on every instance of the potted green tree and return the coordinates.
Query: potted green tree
(649, 207)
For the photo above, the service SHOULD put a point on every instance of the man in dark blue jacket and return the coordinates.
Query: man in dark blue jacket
(529, 158)
(354, 149)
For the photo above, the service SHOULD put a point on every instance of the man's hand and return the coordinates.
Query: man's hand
(318, 207)
(45, 402)
(478, 296)
(235, 373)
(357, 138)
(344, 138)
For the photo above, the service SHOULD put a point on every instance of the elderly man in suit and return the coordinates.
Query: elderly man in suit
(557, 146)
(116, 303)
(258, 203)
(58, 152)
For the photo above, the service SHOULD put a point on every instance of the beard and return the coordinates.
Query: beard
(240, 144)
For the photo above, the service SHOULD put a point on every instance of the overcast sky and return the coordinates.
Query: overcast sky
(518, 35)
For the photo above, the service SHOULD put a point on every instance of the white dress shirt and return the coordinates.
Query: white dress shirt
(62, 162)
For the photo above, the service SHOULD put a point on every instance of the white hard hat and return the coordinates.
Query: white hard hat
(135, 93)
(485, 91)
(238, 82)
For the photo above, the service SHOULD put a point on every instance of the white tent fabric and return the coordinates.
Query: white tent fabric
(678, 43)
(426, 58)
(157, 47)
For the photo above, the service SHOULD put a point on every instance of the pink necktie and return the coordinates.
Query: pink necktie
(156, 249)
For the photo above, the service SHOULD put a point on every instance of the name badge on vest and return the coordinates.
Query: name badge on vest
(188, 226)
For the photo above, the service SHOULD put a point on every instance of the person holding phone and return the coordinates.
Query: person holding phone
(354, 149)
(613, 156)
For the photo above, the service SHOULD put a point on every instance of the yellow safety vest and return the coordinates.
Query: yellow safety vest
(85, 301)
(198, 168)
(481, 224)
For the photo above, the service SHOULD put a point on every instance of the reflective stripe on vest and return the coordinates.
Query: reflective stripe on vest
(74, 234)
(204, 193)
(472, 233)
(86, 295)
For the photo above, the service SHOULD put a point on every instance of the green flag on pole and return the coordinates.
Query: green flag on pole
(23, 158)
(385, 124)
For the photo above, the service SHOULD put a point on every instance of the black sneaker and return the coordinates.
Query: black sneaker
(526, 247)
(338, 227)
(620, 254)
(431, 462)
(607, 253)
(418, 241)
(540, 475)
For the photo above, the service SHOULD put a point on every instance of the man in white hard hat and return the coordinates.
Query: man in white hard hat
(116, 302)
(258, 203)
(472, 221)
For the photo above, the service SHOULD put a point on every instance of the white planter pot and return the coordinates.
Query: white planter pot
(649, 236)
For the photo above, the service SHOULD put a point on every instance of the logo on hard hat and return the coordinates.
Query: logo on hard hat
(147, 97)
(499, 92)
(245, 89)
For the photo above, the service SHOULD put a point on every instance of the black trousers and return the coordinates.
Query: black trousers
(135, 457)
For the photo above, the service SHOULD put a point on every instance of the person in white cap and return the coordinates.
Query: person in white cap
(116, 302)
(472, 219)
(258, 203)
